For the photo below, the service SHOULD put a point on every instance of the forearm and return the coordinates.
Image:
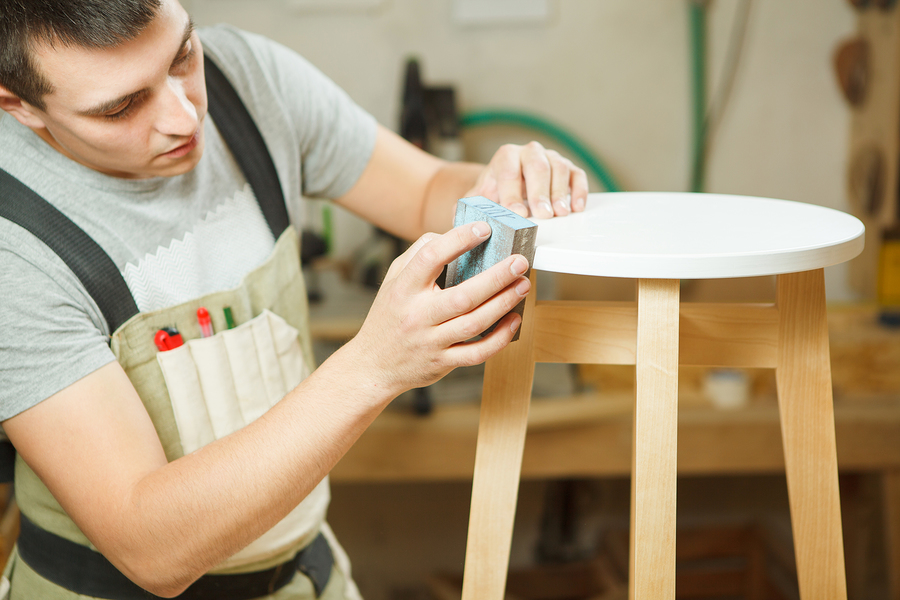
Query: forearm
(406, 191)
(448, 184)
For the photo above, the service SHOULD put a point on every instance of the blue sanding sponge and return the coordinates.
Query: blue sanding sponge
(510, 234)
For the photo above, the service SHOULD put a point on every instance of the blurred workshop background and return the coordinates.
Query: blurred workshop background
(794, 99)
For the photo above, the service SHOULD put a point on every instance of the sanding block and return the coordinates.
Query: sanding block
(510, 234)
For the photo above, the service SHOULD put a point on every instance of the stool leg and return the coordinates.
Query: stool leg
(654, 445)
(503, 422)
(803, 378)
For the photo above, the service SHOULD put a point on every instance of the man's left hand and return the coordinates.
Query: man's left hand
(533, 181)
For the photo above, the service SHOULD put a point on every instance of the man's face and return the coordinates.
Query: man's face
(133, 111)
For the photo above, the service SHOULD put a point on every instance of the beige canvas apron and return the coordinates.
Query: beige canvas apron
(205, 390)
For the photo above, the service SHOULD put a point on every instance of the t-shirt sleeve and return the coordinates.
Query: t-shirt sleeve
(335, 137)
(51, 333)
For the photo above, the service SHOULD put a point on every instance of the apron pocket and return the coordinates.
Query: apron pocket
(222, 383)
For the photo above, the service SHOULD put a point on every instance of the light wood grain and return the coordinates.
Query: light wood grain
(655, 451)
(726, 335)
(805, 403)
(498, 460)
(570, 331)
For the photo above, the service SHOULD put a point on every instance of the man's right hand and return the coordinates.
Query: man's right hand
(417, 332)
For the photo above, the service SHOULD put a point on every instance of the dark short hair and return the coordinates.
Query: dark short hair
(86, 23)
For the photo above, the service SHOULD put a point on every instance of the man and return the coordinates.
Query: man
(106, 119)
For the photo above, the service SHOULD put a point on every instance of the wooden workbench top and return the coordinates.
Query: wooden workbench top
(590, 436)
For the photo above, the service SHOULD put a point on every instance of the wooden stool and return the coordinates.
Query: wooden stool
(659, 239)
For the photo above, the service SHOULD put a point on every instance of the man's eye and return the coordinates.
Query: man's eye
(120, 112)
(185, 56)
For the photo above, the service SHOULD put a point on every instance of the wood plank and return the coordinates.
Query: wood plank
(805, 403)
(727, 335)
(570, 331)
(655, 450)
(498, 459)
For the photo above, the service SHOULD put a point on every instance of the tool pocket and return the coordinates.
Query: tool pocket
(221, 383)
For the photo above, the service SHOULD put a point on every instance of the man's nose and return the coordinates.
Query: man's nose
(178, 115)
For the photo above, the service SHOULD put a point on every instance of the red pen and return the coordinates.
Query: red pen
(203, 318)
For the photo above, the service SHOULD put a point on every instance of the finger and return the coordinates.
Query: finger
(472, 293)
(560, 177)
(468, 325)
(537, 173)
(507, 166)
(399, 263)
(426, 264)
(579, 183)
(475, 352)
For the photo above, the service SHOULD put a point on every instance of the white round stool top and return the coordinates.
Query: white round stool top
(665, 235)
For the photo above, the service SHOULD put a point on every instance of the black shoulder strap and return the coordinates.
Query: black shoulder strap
(96, 270)
(247, 145)
(90, 263)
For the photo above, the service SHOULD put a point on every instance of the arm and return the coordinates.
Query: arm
(165, 524)
(407, 191)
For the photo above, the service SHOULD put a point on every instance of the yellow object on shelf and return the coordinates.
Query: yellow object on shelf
(889, 270)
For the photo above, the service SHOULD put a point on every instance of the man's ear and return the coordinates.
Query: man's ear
(25, 113)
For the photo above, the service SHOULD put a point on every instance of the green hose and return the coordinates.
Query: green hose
(529, 121)
(697, 17)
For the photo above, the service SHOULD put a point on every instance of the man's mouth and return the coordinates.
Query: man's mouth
(184, 148)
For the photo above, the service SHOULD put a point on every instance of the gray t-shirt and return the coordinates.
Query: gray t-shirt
(173, 238)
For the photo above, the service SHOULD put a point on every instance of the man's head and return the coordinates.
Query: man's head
(116, 85)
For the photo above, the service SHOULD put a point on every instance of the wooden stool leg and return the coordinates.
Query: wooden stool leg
(503, 422)
(803, 376)
(654, 450)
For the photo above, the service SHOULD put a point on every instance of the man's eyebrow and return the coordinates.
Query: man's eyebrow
(188, 32)
(105, 107)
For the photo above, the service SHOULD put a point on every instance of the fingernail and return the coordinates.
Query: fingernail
(481, 229)
(577, 203)
(518, 266)
(517, 320)
(519, 209)
(523, 286)
(561, 207)
(544, 203)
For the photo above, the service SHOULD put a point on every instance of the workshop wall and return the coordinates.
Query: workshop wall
(614, 72)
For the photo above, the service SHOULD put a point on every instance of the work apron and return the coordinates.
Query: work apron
(203, 391)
